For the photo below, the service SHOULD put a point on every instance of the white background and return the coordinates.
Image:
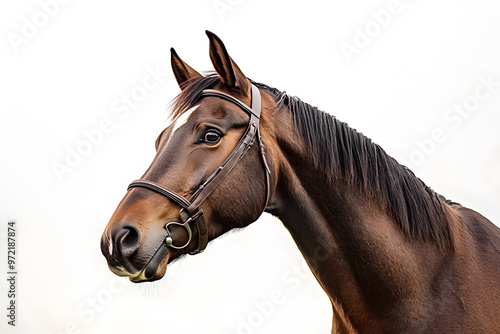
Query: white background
(66, 75)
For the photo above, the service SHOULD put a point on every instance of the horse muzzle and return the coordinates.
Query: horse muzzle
(139, 257)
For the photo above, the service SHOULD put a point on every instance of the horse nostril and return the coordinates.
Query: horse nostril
(127, 240)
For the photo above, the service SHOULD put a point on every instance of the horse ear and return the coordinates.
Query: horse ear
(227, 69)
(182, 71)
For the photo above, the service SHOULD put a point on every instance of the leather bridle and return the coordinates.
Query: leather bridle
(190, 208)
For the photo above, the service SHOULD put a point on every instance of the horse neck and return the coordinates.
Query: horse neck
(356, 250)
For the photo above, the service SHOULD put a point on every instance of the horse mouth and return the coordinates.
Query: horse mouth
(155, 268)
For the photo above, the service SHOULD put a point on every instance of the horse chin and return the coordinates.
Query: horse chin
(141, 277)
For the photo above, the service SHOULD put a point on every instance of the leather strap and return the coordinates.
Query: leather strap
(158, 188)
(255, 109)
(201, 226)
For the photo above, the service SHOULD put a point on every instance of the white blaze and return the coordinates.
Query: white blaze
(181, 120)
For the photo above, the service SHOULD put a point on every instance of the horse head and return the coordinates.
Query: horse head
(210, 173)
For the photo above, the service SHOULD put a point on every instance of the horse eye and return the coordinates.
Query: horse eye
(212, 137)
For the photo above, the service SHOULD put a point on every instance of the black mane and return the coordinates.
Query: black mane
(342, 152)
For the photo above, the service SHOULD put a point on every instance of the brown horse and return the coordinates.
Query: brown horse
(392, 255)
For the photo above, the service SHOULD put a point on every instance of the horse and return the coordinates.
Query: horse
(392, 255)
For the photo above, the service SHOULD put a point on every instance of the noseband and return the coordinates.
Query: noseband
(190, 208)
